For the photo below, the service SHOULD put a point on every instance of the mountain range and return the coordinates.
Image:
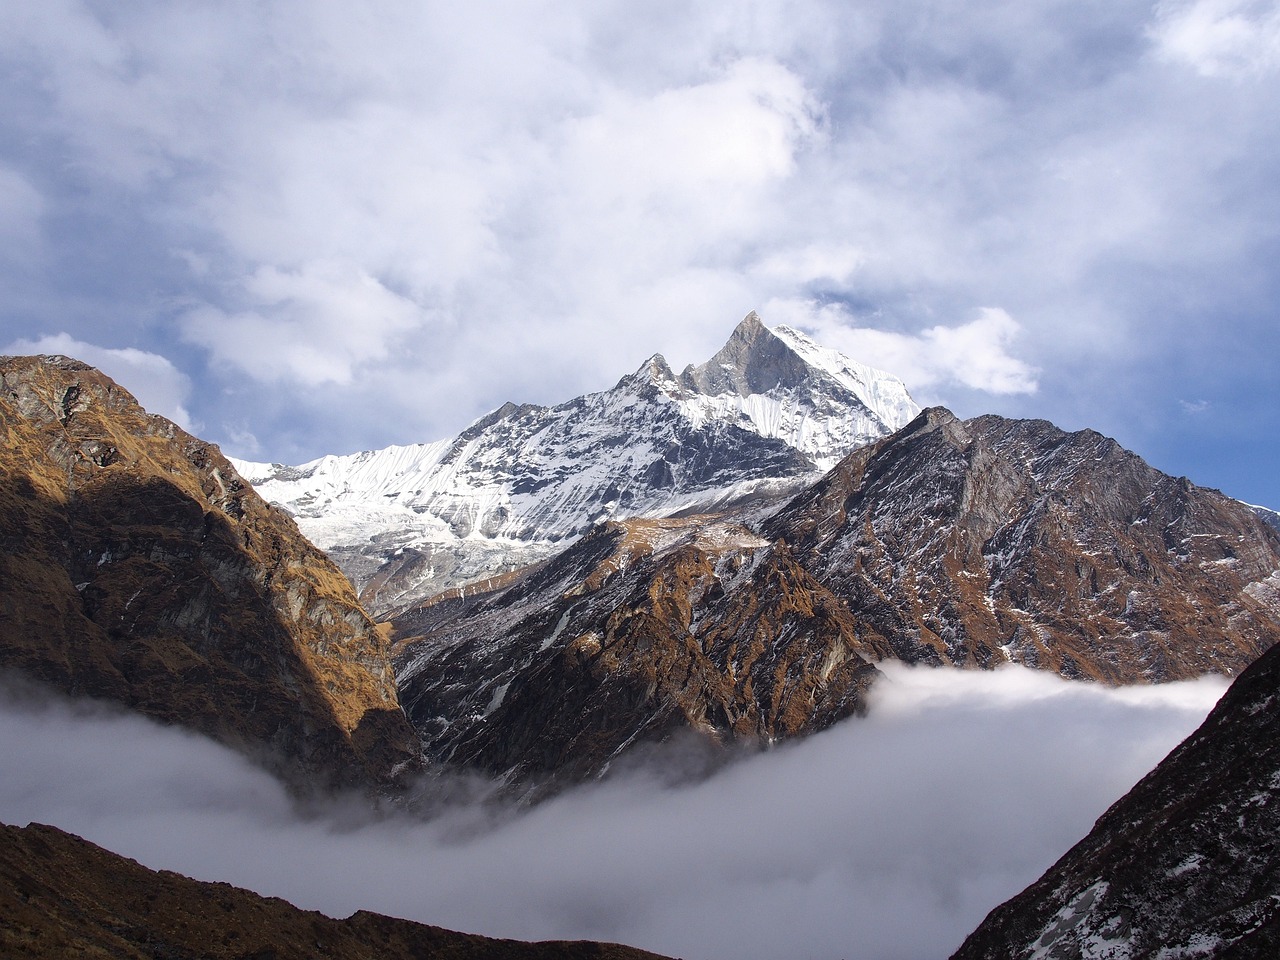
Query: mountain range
(722, 555)
(767, 414)
(951, 543)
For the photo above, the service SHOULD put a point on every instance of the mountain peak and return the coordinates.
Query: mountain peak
(750, 326)
(771, 410)
(758, 361)
(754, 360)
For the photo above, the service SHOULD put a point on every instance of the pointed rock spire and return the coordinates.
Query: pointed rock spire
(754, 360)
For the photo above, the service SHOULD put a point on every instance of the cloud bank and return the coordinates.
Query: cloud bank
(348, 229)
(888, 837)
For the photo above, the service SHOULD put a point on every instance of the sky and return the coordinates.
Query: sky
(888, 837)
(307, 226)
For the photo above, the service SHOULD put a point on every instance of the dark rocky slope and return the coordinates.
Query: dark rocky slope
(1187, 864)
(640, 630)
(61, 896)
(137, 567)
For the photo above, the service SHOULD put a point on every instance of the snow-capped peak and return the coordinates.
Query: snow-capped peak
(770, 410)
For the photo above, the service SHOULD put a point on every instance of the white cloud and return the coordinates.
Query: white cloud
(889, 836)
(733, 132)
(557, 190)
(323, 323)
(814, 263)
(1229, 38)
(973, 355)
(155, 382)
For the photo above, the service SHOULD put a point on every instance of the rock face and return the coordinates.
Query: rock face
(642, 629)
(986, 541)
(765, 416)
(969, 544)
(138, 567)
(1187, 864)
(61, 896)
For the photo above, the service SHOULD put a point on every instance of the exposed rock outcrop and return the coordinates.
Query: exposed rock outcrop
(138, 567)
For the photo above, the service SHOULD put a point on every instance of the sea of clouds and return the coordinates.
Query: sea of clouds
(885, 837)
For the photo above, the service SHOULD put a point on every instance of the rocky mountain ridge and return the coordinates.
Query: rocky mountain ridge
(641, 631)
(978, 542)
(768, 413)
(61, 896)
(138, 567)
(961, 543)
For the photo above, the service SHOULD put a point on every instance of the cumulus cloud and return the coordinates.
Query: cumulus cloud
(155, 382)
(975, 355)
(521, 201)
(320, 324)
(1229, 38)
(886, 837)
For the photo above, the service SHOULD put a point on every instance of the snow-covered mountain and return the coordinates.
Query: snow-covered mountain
(767, 414)
(962, 543)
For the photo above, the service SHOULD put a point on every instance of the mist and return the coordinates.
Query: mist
(885, 837)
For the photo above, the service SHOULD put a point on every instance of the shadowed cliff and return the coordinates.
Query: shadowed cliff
(139, 568)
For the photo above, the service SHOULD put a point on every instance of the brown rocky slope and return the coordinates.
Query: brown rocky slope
(979, 542)
(640, 630)
(61, 896)
(138, 568)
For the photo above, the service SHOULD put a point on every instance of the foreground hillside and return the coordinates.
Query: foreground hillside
(1186, 865)
(61, 896)
(139, 568)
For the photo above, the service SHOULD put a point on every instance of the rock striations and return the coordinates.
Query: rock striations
(965, 543)
(61, 896)
(1186, 865)
(138, 567)
(641, 630)
(766, 415)
(985, 541)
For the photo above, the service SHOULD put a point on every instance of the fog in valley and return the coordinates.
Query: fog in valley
(886, 837)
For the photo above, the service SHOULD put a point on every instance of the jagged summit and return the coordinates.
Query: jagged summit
(771, 411)
(754, 360)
